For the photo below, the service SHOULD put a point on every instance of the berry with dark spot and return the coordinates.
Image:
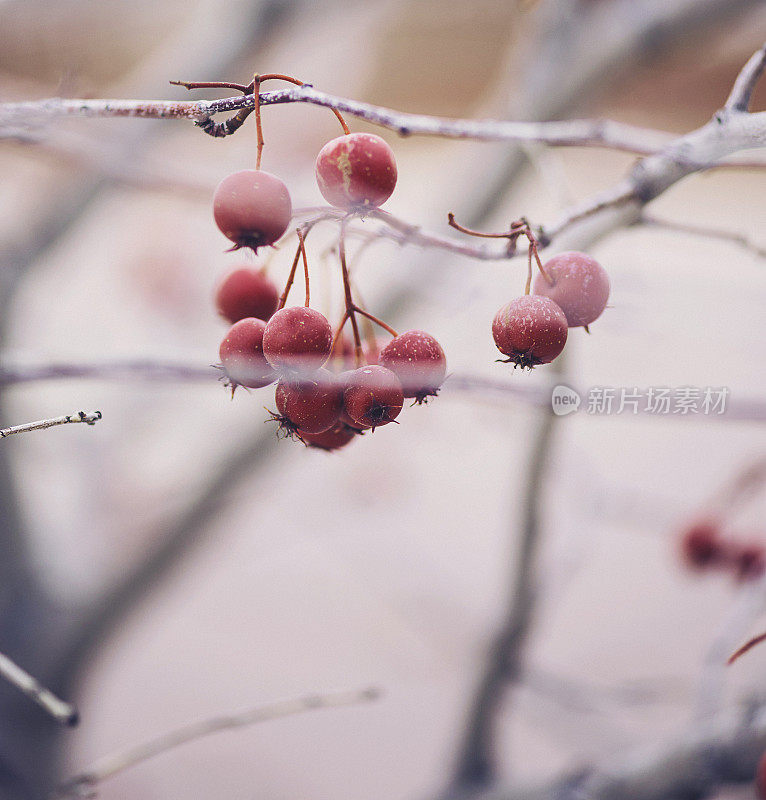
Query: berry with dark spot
(297, 340)
(241, 354)
(418, 360)
(252, 208)
(246, 293)
(356, 171)
(530, 330)
(580, 286)
(372, 396)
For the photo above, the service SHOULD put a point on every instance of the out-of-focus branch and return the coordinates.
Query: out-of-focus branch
(696, 766)
(745, 242)
(89, 419)
(744, 86)
(83, 783)
(61, 711)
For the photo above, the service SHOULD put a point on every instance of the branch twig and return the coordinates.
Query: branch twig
(62, 712)
(124, 759)
(80, 416)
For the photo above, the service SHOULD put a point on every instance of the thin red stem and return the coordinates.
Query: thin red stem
(377, 321)
(302, 247)
(350, 307)
(258, 126)
(290, 277)
(277, 77)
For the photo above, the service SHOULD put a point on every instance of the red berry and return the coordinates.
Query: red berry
(311, 404)
(760, 777)
(701, 545)
(252, 208)
(580, 287)
(338, 436)
(530, 330)
(297, 340)
(241, 354)
(356, 170)
(417, 359)
(748, 560)
(372, 396)
(246, 293)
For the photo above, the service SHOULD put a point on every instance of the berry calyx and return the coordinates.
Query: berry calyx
(297, 340)
(333, 439)
(252, 208)
(246, 293)
(372, 396)
(241, 353)
(530, 330)
(311, 404)
(356, 171)
(579, 285)
(418, 360)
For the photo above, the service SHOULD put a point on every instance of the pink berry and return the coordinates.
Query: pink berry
(530, 330)
(356, 171)
(252, 208)
(372, 396)
(311, 403)
(246, 293)
(580, 286)
(241, 354)
(418, 360)
(297, 340)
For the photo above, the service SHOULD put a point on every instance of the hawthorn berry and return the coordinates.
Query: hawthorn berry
(333, 439)
(748, 560)
(252, 208)
(417, 359)
(311, 403)
(530, 330)
(356, 171)
(372, 396)
(579, 286)
(246, 293)
(241, 354)
(701, 545)
(297, 340)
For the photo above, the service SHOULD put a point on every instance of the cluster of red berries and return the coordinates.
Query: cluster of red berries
(703, 547)
(571, 290)
(320, 398)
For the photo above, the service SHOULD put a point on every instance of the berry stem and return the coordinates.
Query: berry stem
(291, 277)
(302, 249)
(350, 307)
(337, 334)
(258, 127)
(275, 76)
(528, 286)
(377, 321)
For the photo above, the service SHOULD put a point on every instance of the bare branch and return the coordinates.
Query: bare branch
(80, 416)
(744, 85)
(62, 712)
(117, 762)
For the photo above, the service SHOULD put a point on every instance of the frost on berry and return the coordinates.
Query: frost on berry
(579, 286)
(333, 439)
(252, 208)
(530, 330)
(297, 340)
(244, 293)
(311, 403)
(418, 360)
(356, 171)
(701, 545)
(372, 396)
(241, 353)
